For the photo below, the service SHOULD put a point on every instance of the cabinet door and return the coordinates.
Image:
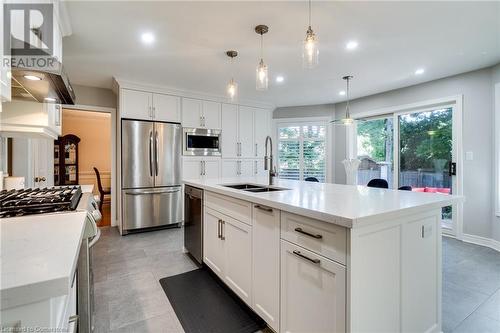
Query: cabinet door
(211, 115)
(246, 168)
(266, 262)
(312, 293)
(238, 264)
(5, 80)
(135, 104)
(229, 143)
(262, 125)
(211, 169)
(259, 168)
(213, 245)
(191, 168)
(43, 163)
(230, 168)
(421, 244)
(167, 108)
(245, 131)
(191, 112)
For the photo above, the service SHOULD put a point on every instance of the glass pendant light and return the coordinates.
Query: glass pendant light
(310, 51)
(262, 75)
(347, 120)
(232, 86)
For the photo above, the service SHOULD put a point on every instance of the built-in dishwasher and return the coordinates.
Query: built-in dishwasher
(193, 222)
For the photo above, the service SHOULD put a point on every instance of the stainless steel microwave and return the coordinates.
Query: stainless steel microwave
(201, 142)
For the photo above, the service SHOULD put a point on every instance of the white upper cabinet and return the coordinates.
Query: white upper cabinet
(143, 105)
(245, 131)
(211, 115)
(167, 108)
(135, 104)
(5, 85)
(31, 119)
(192, 114)
(197, 168)
(230, 144)
(197, 113)
(246, 168)
(262, 130)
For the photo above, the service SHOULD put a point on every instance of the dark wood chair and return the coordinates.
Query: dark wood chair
(312, 179)
(378, 183)
(102, 190)
(405, 188)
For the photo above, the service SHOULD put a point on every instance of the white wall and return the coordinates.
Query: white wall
(477, 91)
(321, 110)
(495, 78)
(94, 96)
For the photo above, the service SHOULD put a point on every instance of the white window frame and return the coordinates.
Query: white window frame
(497, 149)
(323, 121)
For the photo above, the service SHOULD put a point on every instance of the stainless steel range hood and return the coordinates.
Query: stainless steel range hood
(48, 85)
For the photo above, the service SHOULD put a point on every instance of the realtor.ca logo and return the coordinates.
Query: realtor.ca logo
(28, 35)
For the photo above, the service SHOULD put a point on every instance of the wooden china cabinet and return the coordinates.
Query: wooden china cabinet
(66, 160)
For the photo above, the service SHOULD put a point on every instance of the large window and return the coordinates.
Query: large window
(375, 142)
(302, 151)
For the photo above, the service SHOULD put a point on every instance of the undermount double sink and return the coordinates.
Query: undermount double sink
(255, 188)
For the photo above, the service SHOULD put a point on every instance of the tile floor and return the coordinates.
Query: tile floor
(129, 298)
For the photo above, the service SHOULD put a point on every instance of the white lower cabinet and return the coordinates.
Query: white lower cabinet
(292, 288)
(313, 292)
(227, 248)
(266, 264)
(238, 250)
(213, 245)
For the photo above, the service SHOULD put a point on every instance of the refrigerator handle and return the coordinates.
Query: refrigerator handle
(156, 153)
(151, 154)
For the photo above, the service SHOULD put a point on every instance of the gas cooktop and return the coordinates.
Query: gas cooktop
(39, 201)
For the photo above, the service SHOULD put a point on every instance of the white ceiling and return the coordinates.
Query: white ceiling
(395, 38)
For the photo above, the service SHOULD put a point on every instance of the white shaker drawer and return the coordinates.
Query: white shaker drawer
(323, 238)
(240, 210)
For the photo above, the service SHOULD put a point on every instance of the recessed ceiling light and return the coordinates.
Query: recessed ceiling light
(280, 79)
(32, 77)
(49, 99)
(351, 45)
(342, 93)
(419, 71)
(148, 38)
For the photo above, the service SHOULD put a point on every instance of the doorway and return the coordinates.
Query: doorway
(417, 145)
(426, 154)
(94, 151)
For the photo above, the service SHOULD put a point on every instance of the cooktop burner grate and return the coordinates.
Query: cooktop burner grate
(39, 200)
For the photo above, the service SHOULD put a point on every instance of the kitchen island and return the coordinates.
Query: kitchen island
(325, 257)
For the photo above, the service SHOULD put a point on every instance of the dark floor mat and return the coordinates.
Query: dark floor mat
(204, 304)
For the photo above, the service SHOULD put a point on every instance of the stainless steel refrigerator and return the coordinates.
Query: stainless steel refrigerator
(151, 174)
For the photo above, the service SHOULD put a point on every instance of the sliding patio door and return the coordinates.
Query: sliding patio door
(426, 155)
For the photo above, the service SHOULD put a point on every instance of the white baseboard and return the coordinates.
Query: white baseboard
(483, 241)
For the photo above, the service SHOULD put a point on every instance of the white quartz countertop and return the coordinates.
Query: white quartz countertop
(346, 205)
(38, 257)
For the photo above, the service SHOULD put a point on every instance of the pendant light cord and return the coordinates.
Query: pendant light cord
(309, 13)
(261, 46)
(347, 111)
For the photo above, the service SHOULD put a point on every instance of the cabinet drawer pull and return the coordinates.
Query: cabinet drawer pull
(314, 261)
(219, 227)
(267, 209)
(222, 230)
(317, 236)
